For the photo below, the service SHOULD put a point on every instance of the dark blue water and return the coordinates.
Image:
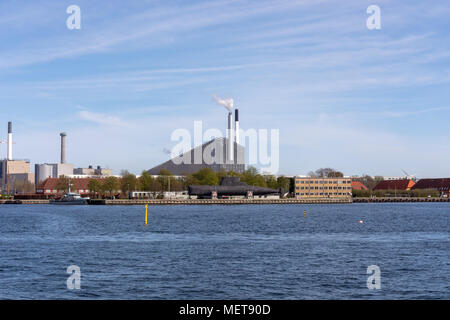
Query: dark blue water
(226, 252)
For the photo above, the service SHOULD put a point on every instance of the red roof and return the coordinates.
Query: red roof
(77, 184)
(404, 184)
(358, 185)
(442, 184)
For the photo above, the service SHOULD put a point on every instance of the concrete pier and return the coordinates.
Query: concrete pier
(217, 201)
(400, 199)
(234, 201)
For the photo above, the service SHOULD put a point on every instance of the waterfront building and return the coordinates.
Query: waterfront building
(14, 174)
(51, 170)
(441, 184)
(49, 187)
(212, 154)
(313, 187)
(402, 184)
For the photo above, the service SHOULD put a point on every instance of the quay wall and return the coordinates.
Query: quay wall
(233, 201)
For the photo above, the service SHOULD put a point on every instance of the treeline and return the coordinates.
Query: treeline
(166, 181)
(420, 193)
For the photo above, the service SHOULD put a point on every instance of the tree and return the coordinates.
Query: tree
(155, 186)
(250, 176)
(284, 183)
(206, 176)
(111, 184)
(62, 184)
(167, 181)
(128, 182)
(190, 180)
(95, 187)
(335, 174)
(368, 181)
(271, 181)
(326, 173)
(145, 181)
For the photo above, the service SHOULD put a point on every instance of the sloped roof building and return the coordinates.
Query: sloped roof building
(79, 185)
(441, 184)
(358, 185)
(212, 154)
(404, 184)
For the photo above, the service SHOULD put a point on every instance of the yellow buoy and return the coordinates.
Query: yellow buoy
(304, 213)
(146, 206)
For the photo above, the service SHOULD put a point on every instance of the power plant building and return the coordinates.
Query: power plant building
(220, 154)
(14, 174)
(54, 170)
(212, 154)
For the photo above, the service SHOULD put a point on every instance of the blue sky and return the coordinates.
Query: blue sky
(359, 100)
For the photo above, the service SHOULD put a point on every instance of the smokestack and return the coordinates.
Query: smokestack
(230, 137)
(236, 120)
(10, 141)
(63, 147)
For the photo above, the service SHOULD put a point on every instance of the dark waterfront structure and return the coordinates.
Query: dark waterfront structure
(441, 184)
(212, 154)
(231, 186)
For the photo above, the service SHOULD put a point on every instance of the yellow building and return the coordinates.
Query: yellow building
(310, 187)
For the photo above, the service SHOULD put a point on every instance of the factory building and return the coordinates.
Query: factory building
(313, 187)
(217, 148)
(14, 174)
(218, 154)
(54, 170)
(91, 171)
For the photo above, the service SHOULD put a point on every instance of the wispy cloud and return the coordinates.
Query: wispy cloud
(102, 118)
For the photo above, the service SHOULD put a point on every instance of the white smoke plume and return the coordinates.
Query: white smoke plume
(227, 103)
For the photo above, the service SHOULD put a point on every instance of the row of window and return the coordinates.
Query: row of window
(323, 181)
(323, 188)
(321, 194)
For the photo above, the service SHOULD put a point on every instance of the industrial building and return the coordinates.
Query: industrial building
(218, 154)
(313, 187)
(14, 174)
(54, 170)
(91, 171)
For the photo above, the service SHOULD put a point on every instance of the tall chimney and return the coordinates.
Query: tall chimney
(230, 137)
(236, 120)
(10, 143)
(63, 147)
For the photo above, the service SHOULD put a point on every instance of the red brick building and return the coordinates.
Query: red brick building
(79, 185)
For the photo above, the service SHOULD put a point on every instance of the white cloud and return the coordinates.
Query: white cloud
(102, 118)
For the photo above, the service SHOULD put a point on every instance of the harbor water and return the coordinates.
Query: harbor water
(226, 252)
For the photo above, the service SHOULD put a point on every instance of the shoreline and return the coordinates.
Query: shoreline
(234, 201)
